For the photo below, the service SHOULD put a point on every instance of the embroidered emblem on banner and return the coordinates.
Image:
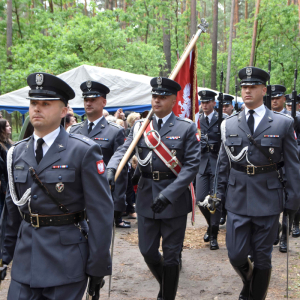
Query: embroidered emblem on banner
(198, 137)
(100, 166)
(60, 187)
(60, 167)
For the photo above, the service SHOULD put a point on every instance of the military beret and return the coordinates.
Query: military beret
(164, 86)
(277, 90)
(93, 89)
(253, 76)
(48, 87)
(227, 99)
(207, 95)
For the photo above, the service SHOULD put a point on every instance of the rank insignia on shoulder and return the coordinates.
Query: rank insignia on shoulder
(60, 167)
(271, 136)
(101, 139)
(197, 137)
(172, 137)
(271, 150)
(60, 146)
(100, 166)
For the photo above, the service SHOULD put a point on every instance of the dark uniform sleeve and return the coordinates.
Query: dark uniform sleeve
(292, 169)
(100, 211)
(190, 165)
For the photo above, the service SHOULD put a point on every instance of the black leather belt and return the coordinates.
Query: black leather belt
(156, 175)
(214, 148)
(54, 220)
(252, 170)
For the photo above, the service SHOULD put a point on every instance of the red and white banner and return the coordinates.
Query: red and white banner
(187, 98)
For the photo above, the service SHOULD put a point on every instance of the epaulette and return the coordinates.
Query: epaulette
(280, 113)
(184, 119)
(82, 138)
(114, 124)
(77, 124)
(19, 142)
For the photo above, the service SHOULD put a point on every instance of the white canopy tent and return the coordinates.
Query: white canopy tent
(129, 91)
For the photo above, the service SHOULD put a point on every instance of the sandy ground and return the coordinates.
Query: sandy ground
(205, 275)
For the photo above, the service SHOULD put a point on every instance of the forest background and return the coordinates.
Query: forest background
(147, 37)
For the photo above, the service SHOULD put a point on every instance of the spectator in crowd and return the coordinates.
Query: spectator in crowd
(5, 144)
(132, 117)
(70, 110)
(119, 114)
(1, 115)
(68, 121)
(105, 113)
(120, 122)
(110, 118)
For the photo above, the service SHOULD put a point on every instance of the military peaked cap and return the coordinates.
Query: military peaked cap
(207, 95)
(164, 86)
(227, 99)
(277, 90)
(289, 100)
(253, 76)
(93, 89)
(48, 87)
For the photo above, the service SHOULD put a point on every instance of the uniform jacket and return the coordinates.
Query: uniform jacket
(212, 137)
(260, 194)
(58, 255)
(112, 136)
(176, 190)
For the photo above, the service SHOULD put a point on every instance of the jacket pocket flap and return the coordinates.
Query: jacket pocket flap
(20, 176)
(274, 184)
(71, 237)
(60, 175)
(270, 142)
(236, 141)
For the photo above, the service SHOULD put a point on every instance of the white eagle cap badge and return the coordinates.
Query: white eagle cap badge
(159, 82)
(39, 79)
(273, 88)
(203, 93)
(249, 71)
(88, 84)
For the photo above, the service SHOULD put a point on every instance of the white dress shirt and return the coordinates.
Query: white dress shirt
(209, 116)
(95, 122)
(259, 113)
(164, 119)
(48, 140)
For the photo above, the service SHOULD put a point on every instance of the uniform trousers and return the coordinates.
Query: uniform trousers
(204, 187)
(255, 235)
(72, 291)
(172, 233)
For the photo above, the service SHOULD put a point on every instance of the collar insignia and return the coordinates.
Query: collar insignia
(60, 146)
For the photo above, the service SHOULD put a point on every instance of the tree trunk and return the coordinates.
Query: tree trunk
(299, 16)
(230, 48)
(51, 6)
(224, 29)
(193, 17)
(246, 9)
(214, 47)
(9, 33)
(167, 47)
(254, 33)
(288, 2)
(236, 16)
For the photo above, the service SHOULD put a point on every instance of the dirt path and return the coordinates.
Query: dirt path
(205, 275)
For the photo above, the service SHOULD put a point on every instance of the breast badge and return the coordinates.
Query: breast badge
(60, 187)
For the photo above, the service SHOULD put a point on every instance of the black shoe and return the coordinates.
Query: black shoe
(222, 220)
(283, 244)
(126, 222)
(278, 233)
(124, 225)
(206, 235)
(296, 231)
(157, 271)
(170, 282)
(245, 272)
(213, 239)
(260, 283)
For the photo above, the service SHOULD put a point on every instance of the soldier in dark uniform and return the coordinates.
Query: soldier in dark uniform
(210, 144)
(227, 105)
(163, 199)
(107, 134)
(255, 145)
(47, 237)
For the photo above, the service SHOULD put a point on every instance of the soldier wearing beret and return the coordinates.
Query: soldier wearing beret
(53, 179)
(256, 143)
(209, 154)
(107, 134)
(168, 156)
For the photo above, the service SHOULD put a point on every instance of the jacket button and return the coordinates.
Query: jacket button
(208, 131)
(271, 144)
(59, 177)
(35, 197)
(231, 142)
(250, 153)
(251, 143)
(154, 158)
(16, 178)
(80, 238)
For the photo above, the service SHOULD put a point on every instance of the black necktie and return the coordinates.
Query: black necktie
(159, 124)
(207, 120)
(90, 127)
(39, 150)
(251, 121)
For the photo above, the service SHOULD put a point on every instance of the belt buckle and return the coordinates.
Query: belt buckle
(37, 220)
(155, 175)
(250, 170)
